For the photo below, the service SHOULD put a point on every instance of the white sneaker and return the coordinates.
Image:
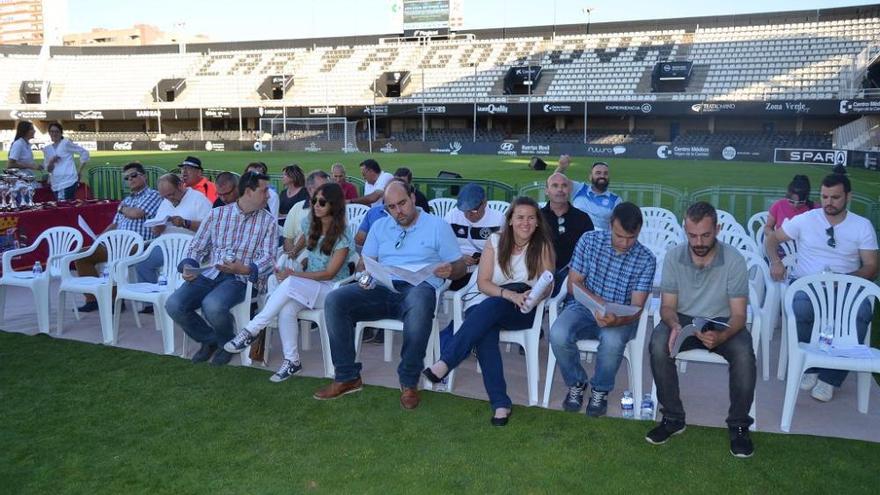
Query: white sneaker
(822, 392)
(808, 381)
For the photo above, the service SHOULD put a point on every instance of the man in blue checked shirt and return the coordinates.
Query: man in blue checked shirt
(407, 236)
(610, 266)
(239, 241)
(594, 198)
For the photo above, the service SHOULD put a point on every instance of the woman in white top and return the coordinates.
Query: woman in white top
(328, 245)
(516, 257)
(58, 157)
(20, 154)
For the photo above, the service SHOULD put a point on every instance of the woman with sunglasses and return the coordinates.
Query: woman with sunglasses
(510, 265)
(327, 245)
(58, 157)
(795, 202)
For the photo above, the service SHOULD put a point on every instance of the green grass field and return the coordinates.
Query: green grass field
(83, 418)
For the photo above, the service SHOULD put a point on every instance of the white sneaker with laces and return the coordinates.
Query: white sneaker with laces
(808, 381)
(822, 392)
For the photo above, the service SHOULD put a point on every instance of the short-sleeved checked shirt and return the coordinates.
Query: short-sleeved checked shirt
(611, 275)
(146, 199)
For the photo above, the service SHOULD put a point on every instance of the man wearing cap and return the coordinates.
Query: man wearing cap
(567, 224)
(375, 182)
(191, 173)
(594, 199)
(473, 223)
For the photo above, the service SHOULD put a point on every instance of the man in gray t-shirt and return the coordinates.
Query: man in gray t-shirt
(704, 278)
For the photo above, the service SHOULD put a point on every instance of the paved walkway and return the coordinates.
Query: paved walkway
(704, 387)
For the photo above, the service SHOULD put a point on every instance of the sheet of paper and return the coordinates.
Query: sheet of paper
(544, 281)
(413, 274)
(587, 301)
(855, 352)
(621, 309)
(379, 273)
(145, 288)
(155, 221)
(304, 290)
(85, 227)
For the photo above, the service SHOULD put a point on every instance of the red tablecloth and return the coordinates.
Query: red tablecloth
(25, 226)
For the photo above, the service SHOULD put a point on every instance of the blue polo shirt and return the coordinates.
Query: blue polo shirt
(428, 240)
(373, 214)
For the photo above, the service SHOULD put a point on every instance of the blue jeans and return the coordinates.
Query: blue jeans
(480, 330)
(803, 312)
(347, 305)
(578, 323)
(68, 193)
(742, 373)
(148, 270)
(215, 297)
(559, 279)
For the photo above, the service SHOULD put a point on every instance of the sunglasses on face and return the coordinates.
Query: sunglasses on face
(130, 176)
(832, 243)
(320, 201)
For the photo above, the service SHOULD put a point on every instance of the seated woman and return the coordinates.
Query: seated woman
(516, 257)
(796, 201)
(328, 246)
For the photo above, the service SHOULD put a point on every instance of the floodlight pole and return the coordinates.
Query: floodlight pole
(423, 105)
(474, 85)
(589, 12)
(529, 105)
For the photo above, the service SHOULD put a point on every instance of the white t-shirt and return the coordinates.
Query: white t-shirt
(381, 181)
(472, 236)
(293, 223)
(519, 272)
(852, 235)
(274, 203)
(64, 173)
(20, 151)
(194, 206)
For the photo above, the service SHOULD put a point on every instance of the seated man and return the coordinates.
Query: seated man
(185, 210)
(373, 214)
(567, 224)
(227, 188)
(133, 211)
(337, 174)
(375, 181)
(704, 278)
(610, 266)
(191, 173)
(405, 175)
(472, 223)
(238, 240)
(832, 239)
(408, 236)
(274, 204)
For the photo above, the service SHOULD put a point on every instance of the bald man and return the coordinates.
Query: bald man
(567, 223)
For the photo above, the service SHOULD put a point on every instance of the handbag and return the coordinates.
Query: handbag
(258, 348)
(518, 287)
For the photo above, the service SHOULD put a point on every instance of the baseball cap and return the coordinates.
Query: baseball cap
(470, 197)
(191, 161)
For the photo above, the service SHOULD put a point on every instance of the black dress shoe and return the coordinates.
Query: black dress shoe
(88, 307)
(431, 376)
(501, 421)
(204, 353)
(148, 310)
(221, 358)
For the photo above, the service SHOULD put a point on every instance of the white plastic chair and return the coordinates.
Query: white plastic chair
(790, 262)
(658, 241)
(756, 226)
(391, 325)
(528, 338)
(119, 244)
(654, 214)
(499, 206)
(174, 248)
(836, 300)
(664, 223)
(728, 222)
(241, 312)
(765, 304)
(354, 215)
(60, 242)
(442, 206)
(634, 351)
(741, 241)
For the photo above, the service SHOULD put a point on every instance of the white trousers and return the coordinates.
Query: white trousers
(280, 304)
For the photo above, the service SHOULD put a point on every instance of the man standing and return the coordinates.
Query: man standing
(133, 211)
(184, 210)
(191, 173)
(407, 236)
(239, 242)
(704, 278)
(609, 266)
(593, 199)
(337, 174)
(375, 182)
(567, 224)
(828, 239)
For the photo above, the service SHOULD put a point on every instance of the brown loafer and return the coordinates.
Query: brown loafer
(409, 397)
(338, 389)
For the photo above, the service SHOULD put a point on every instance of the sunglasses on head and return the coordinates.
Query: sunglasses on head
(830, 233)
(320, 201)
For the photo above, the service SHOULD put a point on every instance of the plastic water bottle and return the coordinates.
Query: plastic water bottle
(38, 269)
(105, 274)
(826, 337)
(647, 409)
(163, 282)
(627, 405)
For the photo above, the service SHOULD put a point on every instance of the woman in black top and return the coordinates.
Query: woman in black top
(294, 182)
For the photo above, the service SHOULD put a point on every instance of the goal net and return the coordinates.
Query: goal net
(309, 134)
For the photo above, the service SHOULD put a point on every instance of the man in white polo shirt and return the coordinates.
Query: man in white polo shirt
(828, 239)
(375, 181)
(184, 210)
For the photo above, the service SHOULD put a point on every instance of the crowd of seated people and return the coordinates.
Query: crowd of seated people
(591, 231)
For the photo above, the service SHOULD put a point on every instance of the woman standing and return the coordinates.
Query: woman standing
(509, 266)
(328, 246)
(20, 154)
(58, 157)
